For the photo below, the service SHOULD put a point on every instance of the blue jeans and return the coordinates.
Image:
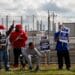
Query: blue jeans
(4, 57)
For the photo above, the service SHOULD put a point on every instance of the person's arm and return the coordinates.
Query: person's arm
(68, 38)
(68, 35)
(0, 46)
(38, 53)
(10, 29)
(24, 37)
(12, 37)
(56, 37)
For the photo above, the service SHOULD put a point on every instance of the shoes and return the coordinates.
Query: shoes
(30, 68)
(7, 69)
(68, 69)
(22, 68)
(36, 69)
(60, 68)
(0, 68)
(15, 69)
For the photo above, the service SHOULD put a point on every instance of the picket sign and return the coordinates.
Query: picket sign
(64, 35)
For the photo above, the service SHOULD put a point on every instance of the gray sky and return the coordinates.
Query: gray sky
(64, 8)
(20, 7)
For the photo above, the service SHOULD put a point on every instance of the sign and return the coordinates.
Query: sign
(44, 45)
(64, 34)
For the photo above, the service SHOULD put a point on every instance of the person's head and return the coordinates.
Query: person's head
(43, 37)
(60, 27)
(18, 27)
(31, 45)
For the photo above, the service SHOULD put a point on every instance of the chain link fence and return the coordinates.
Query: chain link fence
(37, 26)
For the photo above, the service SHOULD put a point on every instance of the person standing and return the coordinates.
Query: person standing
(62, 39)
(18, 40)
(3, 46)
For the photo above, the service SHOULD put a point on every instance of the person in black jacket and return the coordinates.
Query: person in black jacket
(62, 47)
(3, 47)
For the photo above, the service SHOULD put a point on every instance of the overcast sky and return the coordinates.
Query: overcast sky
(20, 7)
(38, 7)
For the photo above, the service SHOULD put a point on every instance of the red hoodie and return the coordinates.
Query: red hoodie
(18, 39)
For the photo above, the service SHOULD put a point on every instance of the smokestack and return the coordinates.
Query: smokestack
(38, 26)
(41, 25)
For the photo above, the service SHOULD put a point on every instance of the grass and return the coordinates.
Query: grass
(44, 70)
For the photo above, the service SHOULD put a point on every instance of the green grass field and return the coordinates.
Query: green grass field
(44, 70)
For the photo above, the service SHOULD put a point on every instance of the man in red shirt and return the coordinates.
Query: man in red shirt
(18, 40)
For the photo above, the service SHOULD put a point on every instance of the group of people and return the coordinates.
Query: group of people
(18, 39)
(27, 55)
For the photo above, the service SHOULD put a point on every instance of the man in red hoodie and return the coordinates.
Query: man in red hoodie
(18, 40)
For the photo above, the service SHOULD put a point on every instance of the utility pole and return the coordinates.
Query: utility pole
(33, 23)
(41, 25)
(53, 22)
(38, 27)
(48, 23)
(28, 27)
(21, 20)
(2, 21)
(33, 30)
(7, 21)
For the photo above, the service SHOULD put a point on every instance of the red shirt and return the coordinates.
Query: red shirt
(18, 39)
